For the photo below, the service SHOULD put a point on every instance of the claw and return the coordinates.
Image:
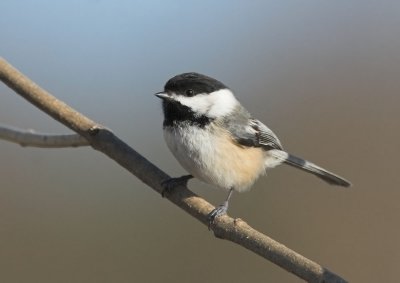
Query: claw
(171, 183)
(217, 212)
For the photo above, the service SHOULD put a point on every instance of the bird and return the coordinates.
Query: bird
(219, 142)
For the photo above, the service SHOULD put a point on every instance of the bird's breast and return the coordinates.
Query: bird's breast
(210, 155)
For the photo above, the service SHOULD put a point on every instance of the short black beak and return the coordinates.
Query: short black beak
(162, 95)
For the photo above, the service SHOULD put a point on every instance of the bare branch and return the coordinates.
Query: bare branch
(102, 139)
(31, 138)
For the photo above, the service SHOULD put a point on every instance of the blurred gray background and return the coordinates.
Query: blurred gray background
(324, 75)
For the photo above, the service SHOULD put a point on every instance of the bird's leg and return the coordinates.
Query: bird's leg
(219, 210)
(169, 184)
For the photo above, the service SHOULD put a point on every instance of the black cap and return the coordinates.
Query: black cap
(193, 83)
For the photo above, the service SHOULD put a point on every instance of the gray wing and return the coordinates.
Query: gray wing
(265, 136)
(247, 131)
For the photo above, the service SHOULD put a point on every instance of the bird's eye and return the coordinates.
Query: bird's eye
(189, 92)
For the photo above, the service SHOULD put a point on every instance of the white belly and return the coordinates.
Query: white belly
(215, 159)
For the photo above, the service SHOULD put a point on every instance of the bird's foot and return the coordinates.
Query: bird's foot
(217, 212)
(171, 183)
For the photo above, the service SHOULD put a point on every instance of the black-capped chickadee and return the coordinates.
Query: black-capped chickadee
(217, 140)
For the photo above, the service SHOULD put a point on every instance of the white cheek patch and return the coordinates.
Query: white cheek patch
(199, 103)
(223, 102)
(216, 104)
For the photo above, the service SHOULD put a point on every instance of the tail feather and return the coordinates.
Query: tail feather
(309, 167)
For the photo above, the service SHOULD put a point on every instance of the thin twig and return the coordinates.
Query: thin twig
(102, 139)
(34, 139)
